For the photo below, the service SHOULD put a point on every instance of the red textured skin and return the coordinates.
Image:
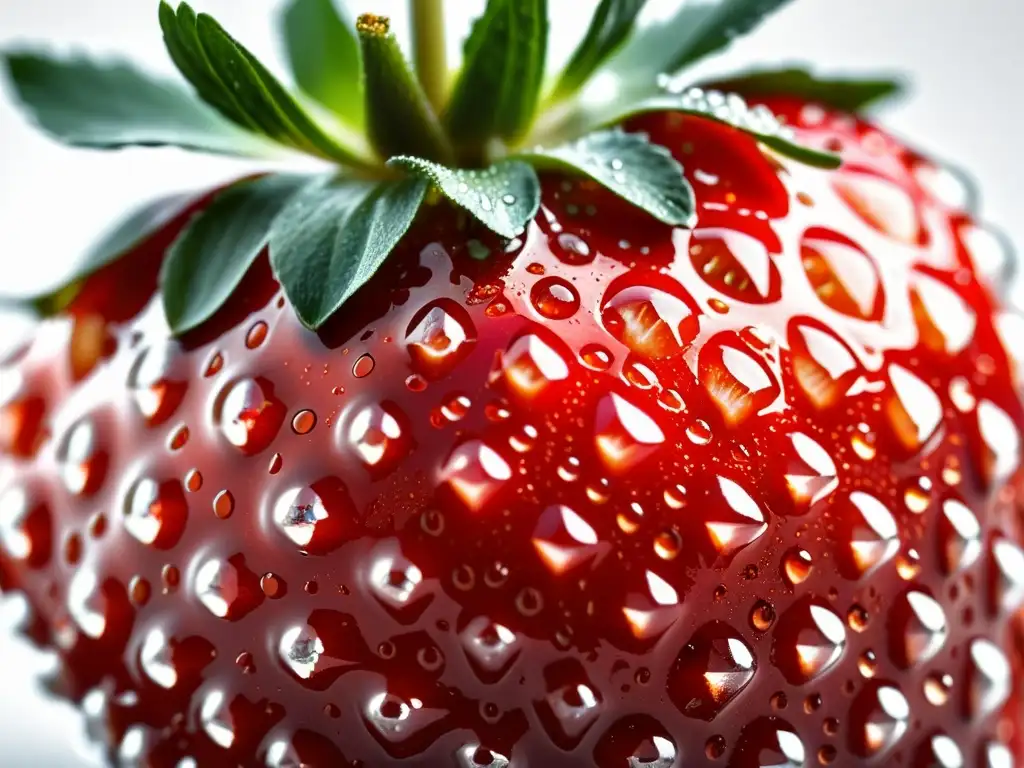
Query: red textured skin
(610, 633)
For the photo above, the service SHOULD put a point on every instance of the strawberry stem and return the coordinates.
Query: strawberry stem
(429, 51)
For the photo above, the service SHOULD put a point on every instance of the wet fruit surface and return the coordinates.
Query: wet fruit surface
(619, 495)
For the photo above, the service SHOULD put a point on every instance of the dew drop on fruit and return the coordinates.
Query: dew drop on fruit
(300, 650)
(226, 588)
(82, 462)
(314, 517)
(570, 249)
(156, 658)
(363, 366)
(25, 527)
(223, 504)
(635, 741)
(86, 603)
(842, 275)
(155, 512)
(712, 670)
(248, 414)
(738, 383)
(440, 337)
(810, 472)
(768, 742)
(377, 435)
(652, 322)
(554, 298)
(945, 321)
(256, 335)
(398, 719)
(913, 408)
(959, 536)
(653, 608)
(596, 357)
(303, 422)
(988, 678)
(476, 473)
(624, 435)
(215, 719)
(879, 718)
(997, 454)
(563, 540)
(1006, 576)
(736, 264)
(735, 524)
(571, 704)
(936, 688)
(823, 366)
(155, 385)
(918, 629)
(809, 639)
(529, 366)
(997, 756)
(396, 582)
(476, 756)
(762, 616)
(881, 204)
(869, 535)
(491, 648)
(797, 565)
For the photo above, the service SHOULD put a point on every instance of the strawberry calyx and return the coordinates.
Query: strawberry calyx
(393, 132)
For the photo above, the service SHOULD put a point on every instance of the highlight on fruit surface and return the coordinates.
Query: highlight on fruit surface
(668, 424)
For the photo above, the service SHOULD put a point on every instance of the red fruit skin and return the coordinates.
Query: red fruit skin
(618, 495)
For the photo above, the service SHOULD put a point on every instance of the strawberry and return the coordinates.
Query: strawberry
(708, 457)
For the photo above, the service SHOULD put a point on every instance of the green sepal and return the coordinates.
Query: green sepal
(504, 197)
(629, 165)
(210, 257)
(124, 237)
(696, 30)
(497, 93)
(730, 109)
(399, 118)
(334, 235)
(323, 53)
(847, 94)
(112, 105)
(232, 80)
(609, 29)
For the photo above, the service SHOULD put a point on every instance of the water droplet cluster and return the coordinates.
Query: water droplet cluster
(620, 495)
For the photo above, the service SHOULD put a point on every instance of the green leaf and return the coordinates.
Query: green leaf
(698, 29)
(323, 54)
(233, 81)
(134, 229)
(851, 94)
(211, 256)
(731, 109)
(629, 165)
(611, 26)
(497, 93)
(504, 197)
(334, 235)
(112, 105)
(399, 118)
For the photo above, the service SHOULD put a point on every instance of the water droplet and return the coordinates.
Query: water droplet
(564, 540)
(998, 453)
(157, 659)
(490, 647)
(869, 535)
(555, 298)
(768, 742)
(940, 751)
(797, 565)
(82, 463)
(256, 335)
(959, 536)
(376, 433)
(303, 422)
(736, 264)
(1007, 576)
(572, 250)
(596, 357)
(762, 616)
(476, 756)
(249, 415)
(652, 322)
(155, 383)
(920, 629)
(223, 504)
(810, 473)
(530, 365)
(881, 204)
(396, 581)
(87, 604)
(624, 435)
(226, 588)
(439, 338)
(314, 517)
(843, 276)
(879, 718)
(945, 321)
(988, 676)
(216, 720)
(155, 513)
(475, 472)
(809, 640)
(25, 527)
(738, 383)
(699, 432)
(823, 366)
(635, 742)
(571, 705)
(300, 650)
(737, 523)
(914, 409)
(936, 688)
(997, 756)
(651, 611)
(363, 366)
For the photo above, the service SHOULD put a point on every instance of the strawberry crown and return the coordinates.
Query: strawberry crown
(394, 132)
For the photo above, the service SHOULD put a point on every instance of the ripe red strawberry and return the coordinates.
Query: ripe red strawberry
(613, 493)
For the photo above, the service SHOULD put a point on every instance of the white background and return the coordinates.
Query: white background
(963, 56)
